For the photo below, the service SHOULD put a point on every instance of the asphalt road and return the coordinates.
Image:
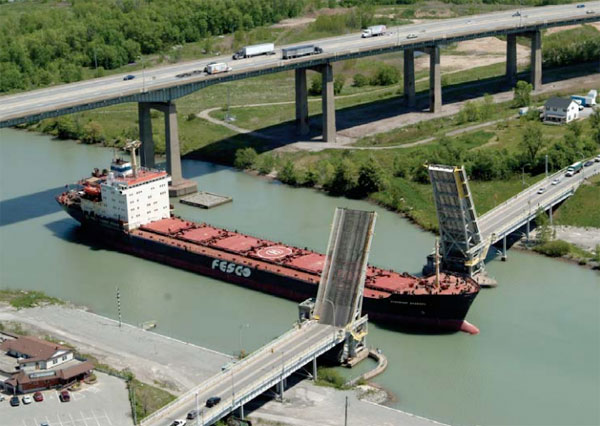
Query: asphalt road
(251, 371)
(53, 98)
(529, 200)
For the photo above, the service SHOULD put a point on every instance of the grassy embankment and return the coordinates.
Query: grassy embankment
(21, 299)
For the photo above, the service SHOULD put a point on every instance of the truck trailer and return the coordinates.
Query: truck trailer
(374, 31)
(217, 68)
(588, 100)
(255, 50)
(299, 51)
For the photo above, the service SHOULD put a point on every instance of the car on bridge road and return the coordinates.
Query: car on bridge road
(178, 423)
(580, 6)
(556, 181)
(412, 35)
(129, 77)
(588, 163)
(597, 159)
(541, 190)
(193, 414)
(212, 401)
(517, 13)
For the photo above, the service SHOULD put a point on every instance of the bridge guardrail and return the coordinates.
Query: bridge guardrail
(273, 376)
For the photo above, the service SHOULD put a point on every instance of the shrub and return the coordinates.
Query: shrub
(386, 75)
(245, 158)
(522, 94)
(316, 85)
(360, 80)
(288, 174)
(338, 84)
(556, 248)
(370, 178)
(266, 163)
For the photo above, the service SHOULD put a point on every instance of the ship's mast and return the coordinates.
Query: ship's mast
(131, 146)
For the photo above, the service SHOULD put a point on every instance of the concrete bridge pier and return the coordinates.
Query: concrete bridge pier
(241, 413)
(536, 60)
(328, 103)
(178, 186)
(409, 77)
(550, 214)
(503, 258)
(511, 59)
(302, 124)
(435, 79)
(314, 369)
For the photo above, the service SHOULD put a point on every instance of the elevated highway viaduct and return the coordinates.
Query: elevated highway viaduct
(158, 88)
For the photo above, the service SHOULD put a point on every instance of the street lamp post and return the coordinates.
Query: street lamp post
(333, 310)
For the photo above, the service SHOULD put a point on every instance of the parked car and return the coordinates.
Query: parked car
(412, 35)
(38, 397)
(212, 401)
(64, 396)
(129, 77)
(14, 401)
(588, 163)
(2, 398)
(44, 424)
(541, 190)
(556, 181)
(27, 399)
(178, 422)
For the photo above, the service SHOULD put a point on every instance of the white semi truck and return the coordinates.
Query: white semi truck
(255, 50)
(217, 68)
(374, 31)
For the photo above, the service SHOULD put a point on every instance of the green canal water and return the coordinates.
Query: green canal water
(536, 361)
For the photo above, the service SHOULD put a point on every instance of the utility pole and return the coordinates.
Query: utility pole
(119, 305)
(346, 413)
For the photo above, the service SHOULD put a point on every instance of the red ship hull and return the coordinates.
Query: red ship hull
(418, 306)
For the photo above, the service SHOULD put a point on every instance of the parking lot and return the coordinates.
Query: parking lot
(104, 403)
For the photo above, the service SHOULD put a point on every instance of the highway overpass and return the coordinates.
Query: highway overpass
(158, 88)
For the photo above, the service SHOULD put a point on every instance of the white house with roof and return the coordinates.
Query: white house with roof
(560, 110)
(36, 354)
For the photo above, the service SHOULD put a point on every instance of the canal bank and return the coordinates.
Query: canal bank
(524, 357)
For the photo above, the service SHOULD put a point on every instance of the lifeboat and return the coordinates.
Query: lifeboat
(91, 190)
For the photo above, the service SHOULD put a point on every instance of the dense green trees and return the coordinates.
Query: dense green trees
(522, 93)
(51, 44)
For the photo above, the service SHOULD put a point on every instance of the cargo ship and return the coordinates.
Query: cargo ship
(128, 208)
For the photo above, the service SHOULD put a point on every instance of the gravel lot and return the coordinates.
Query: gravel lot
(104, 403)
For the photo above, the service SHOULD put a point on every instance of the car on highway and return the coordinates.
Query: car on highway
(178, 423)
(588, 163)
(517, 13)
(556, 181)
(597, 159)
(192, 414)
(14, 401)
(38, 397)
(580, 6)
(27, 399)
(197, 72)
(541, 190)
(64, 396)
(184, 74)
(412, 35)
(590, 12)
(212, 401)
(129, 77)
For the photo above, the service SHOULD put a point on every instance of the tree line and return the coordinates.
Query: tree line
(46, 45)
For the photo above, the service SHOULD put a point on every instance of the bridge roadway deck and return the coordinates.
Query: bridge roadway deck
(160, 84)
(253, 375)
(516, 211)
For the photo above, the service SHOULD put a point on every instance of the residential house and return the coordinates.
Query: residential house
(560, 110)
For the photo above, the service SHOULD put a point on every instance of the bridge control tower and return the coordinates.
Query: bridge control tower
(462, 247)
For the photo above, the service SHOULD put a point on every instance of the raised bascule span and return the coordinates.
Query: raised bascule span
(466, 238)
(340, 291)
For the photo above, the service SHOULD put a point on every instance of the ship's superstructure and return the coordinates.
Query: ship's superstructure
(128, 208)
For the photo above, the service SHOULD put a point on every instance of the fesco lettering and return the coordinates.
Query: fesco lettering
(231, 268)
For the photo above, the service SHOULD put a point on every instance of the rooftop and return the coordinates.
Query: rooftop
(36, 349)
(556, 102)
